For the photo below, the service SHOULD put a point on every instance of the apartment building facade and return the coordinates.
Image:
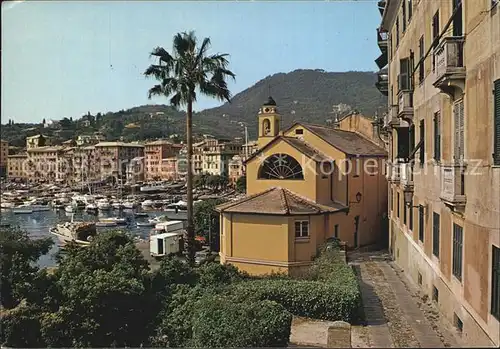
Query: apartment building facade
(115, 157)
(440, 69)
(4, 158)
(47, 164)
(15, 167)
(216, 155)
(154, 153)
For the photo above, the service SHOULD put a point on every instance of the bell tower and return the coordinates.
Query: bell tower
(269, 122)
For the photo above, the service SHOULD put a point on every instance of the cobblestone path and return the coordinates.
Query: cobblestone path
(395, 314)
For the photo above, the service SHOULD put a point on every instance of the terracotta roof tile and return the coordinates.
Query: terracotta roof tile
(278, 201)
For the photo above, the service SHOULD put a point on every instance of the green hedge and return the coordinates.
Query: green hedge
(314, 299)
(220, 322)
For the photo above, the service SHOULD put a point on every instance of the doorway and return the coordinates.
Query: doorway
(160, 246)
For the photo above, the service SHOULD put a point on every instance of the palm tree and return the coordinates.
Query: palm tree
(189, 69)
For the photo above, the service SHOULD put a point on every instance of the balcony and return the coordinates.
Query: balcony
(406, 173)
(395, 172)
(453, 186)
(405, 110)
(382, 37)
(450, 69)
(383, 81)
(388, 169)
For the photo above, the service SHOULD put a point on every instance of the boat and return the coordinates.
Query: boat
(153, 187)
(141, 214)
(91, 207)
(6, 204)
(117, 205)
(159, 219)
(70, 208)
(145, 224)
(106, 224)
(80, 232)
(22, 210)
(147, 203)
(115, 220)
(129, 204)
(103, 205)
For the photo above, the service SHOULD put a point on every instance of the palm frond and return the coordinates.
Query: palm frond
(156, 90)
(184, 43)
(159, 72)
(205, 45)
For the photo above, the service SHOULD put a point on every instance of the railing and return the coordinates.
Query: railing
(407, 174)
(396, 172)
(405, 104)
(449, 56)
(382, 37)
(453, 184)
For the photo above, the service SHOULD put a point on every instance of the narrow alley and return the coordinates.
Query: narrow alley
(396, 313)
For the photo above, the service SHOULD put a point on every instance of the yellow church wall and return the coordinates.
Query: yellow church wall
(305, 187)
(259, 237)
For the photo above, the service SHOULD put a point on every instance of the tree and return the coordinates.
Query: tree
(43, 121)
(206, 221)
(241, 184)
(213, 181)
(18, 252)
(189, 68)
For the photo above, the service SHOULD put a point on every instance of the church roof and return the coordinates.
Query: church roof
(348, 142)
(278, 201)
(270, 101)
(298, 144)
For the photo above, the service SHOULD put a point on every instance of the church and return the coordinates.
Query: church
(305, 184)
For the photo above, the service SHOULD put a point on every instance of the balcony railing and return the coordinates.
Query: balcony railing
(383, 81)
(407, 175)
(453, 185)
(449, 61)
(405, 104)
(382, 37)
(395, 172)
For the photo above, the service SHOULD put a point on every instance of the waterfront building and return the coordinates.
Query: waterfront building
(216, 154)
(169, 169)
(236, 169)
(305, 184)
(16, 163)
(37, 141)
(441, 71)
(114, 157)
(135, 170)
(4, 158)
(46, 163)
(154, 153)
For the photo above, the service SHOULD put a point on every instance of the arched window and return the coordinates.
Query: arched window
(280, 166)
(266, 127)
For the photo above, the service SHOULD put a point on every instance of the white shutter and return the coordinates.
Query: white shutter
(458, 111)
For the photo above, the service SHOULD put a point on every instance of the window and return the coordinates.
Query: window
(437, 136)
(458, 111)
(397, 32)
(495, 282)
(421, 70)
(397, 208)
(404, 74)
(421, 223)
(457, 19)
(301, 229)
(435, 234)
(299, 131)
(410, 9)
(496, 121)
(435, 35)
(419, 278)
(458, 323)
(336, 230)
(404, 214)
(404, 15)
(280, 166)
(435, 294)
(422, 140)
(457, 251)
(411, 215)
(390, 199)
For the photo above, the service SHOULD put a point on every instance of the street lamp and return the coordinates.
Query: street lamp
(408, 197)
(358, 199)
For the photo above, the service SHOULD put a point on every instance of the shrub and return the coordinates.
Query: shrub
(216, 274)
(220, 322)
(314, 299)
(20, 327)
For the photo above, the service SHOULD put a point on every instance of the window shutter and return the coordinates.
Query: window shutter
(458, 111)
(461, 129)
(404, 74)
(496, 121)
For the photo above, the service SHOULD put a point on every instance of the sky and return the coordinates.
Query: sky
(63, 59)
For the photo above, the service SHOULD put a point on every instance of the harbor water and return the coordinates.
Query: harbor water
(37, 224)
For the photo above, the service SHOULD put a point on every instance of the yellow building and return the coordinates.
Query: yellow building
(16, 166)
(36, 141)
(304, 185)
(444, 124)
(4, 157)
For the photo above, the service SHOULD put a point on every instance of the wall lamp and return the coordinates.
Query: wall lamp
(408, 197)
(358, 199)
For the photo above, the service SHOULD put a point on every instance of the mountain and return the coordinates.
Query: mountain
(301, 95)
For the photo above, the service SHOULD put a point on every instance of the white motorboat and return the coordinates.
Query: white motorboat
(71, 208)
(6, 204)
(129, 204)
(106, 224)
(118, 205)
(40, 208)
(22, 210)
(154, 187)
(146, 224)
(158, 219)
(103, 205)
(147, 203)
(115, 220)
(80, 232)
(91, 207)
